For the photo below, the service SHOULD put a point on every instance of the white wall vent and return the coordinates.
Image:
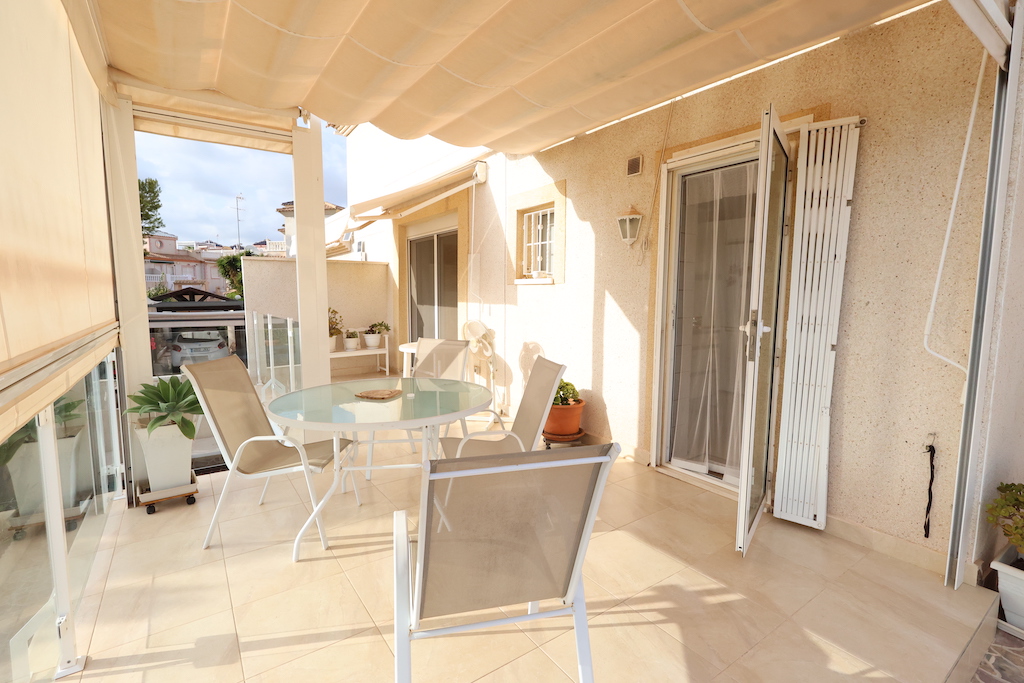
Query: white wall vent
(634, 165)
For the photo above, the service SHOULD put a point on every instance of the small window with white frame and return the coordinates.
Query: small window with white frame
(538, 235)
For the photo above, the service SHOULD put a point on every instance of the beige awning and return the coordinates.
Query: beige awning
(512, 75)
(414, 198)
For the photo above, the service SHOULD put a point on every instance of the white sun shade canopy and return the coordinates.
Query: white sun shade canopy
(512, 75)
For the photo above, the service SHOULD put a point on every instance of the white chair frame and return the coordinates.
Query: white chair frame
(408, 588)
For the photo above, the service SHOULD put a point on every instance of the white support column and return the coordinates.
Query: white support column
(311, 253)
(126, 241)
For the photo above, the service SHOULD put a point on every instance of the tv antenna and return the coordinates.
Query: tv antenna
(238, 219)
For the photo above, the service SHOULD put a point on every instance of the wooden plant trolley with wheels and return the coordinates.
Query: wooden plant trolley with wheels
(151, 498)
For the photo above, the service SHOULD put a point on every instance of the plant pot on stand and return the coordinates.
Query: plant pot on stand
(1011, 586)
(372, 340)
(563, 423)
(352, 343)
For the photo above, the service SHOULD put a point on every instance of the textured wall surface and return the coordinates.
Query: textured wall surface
(913, 79)
(361, 291)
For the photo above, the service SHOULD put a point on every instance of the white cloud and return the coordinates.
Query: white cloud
(199, 182)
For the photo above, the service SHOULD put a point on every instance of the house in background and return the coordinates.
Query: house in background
(174, 265)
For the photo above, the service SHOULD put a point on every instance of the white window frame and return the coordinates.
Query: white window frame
(538, 228)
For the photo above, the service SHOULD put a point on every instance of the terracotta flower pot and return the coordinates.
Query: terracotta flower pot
(565, 420)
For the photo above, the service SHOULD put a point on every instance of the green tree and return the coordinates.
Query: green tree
(230, 268)
(149, 201)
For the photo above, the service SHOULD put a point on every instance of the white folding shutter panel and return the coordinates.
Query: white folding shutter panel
(826, 164)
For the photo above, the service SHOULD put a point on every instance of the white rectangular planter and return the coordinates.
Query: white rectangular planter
(1011, 587)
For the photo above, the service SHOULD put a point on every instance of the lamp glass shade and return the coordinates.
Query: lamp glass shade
(629, 227)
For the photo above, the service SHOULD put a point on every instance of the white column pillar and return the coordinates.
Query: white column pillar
(311, 254)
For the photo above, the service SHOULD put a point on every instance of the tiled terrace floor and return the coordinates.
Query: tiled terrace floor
(668, 598)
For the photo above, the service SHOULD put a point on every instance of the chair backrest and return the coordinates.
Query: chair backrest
(229, 401)
(537, 397)
(441, 358)
(507, 529)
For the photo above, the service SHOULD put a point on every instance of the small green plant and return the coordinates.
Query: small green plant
(378, 328)
(1007, 513)
(16, 440)
(566, 394)
(64, 412)
(168, 402)
(352, 334)
(158, 290)
(334, 322)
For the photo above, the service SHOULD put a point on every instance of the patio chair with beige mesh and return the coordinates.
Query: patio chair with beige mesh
(435, 359)
(528, 424)
(513, 532)
(246, 438)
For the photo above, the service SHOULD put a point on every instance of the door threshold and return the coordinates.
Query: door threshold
(707, 483)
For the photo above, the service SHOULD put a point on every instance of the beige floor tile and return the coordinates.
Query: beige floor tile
(244, 501)
(162, 555)
(342, 509)
(709, 618)
(710, 507)
(168, 519)
(822, 553)
(203, 651)
(624, 565)
(375, 584)
(267, 528)
(217, 479)
(110, 530)
(268, 571)
(160, 603)
(681, 535)
(598, 600)
(624, 468)
(534, 666)
(967, 604)
(900, 635)
(464, 657)
(762, 576)
(627, 647)
(97, 580)
(86, 614)
(404, 494)
(620, 506)
(364, 541)
(792, 655)
(661, 487)
(362, 658)
(282, 627)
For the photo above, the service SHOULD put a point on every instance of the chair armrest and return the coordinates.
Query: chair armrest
(500, 421)
(283, 438)
(466, 439)
(403, 571)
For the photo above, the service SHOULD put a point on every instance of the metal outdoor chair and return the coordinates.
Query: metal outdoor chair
(513, 532)
(435, 359)
(246, 438)
(528, 424)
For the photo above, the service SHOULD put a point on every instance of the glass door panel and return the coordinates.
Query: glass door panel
(760, 329)
(434, 286)
(421, 288)
(448, 286)
(716, 221)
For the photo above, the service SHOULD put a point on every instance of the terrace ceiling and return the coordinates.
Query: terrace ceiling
(513, 75)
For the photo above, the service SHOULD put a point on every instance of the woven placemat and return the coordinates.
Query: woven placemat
(379, 394)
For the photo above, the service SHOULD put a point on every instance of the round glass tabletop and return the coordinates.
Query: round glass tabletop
(422, 402)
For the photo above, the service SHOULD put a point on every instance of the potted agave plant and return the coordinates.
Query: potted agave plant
(373, 333)
(1007, 513)
(563, 422)
(167, 435)
(334, 327)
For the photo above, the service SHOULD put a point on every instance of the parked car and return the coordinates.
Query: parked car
(197, 346)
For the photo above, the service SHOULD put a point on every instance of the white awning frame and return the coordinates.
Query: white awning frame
(412, 199)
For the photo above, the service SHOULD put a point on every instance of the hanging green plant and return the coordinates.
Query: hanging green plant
(168, 402)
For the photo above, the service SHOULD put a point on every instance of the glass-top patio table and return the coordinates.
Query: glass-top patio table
(423, 403)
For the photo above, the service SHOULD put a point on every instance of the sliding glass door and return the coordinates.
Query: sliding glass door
(434, 286)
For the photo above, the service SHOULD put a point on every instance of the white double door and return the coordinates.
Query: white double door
(729, 212)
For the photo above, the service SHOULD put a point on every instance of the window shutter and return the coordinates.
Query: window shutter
(826, 164)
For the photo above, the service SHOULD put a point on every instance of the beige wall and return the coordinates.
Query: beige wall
(361, 291)
(913, 79)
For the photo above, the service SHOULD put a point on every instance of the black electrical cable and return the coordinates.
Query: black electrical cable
(930, 450)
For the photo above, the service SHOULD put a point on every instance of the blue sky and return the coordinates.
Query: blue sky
(199, 182)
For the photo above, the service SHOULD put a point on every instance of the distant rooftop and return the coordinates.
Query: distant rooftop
(288, 208)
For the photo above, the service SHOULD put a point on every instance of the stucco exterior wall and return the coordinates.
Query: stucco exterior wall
(913, 79)
(361, 291)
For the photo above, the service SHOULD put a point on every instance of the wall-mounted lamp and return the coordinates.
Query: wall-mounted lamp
(629, 225)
